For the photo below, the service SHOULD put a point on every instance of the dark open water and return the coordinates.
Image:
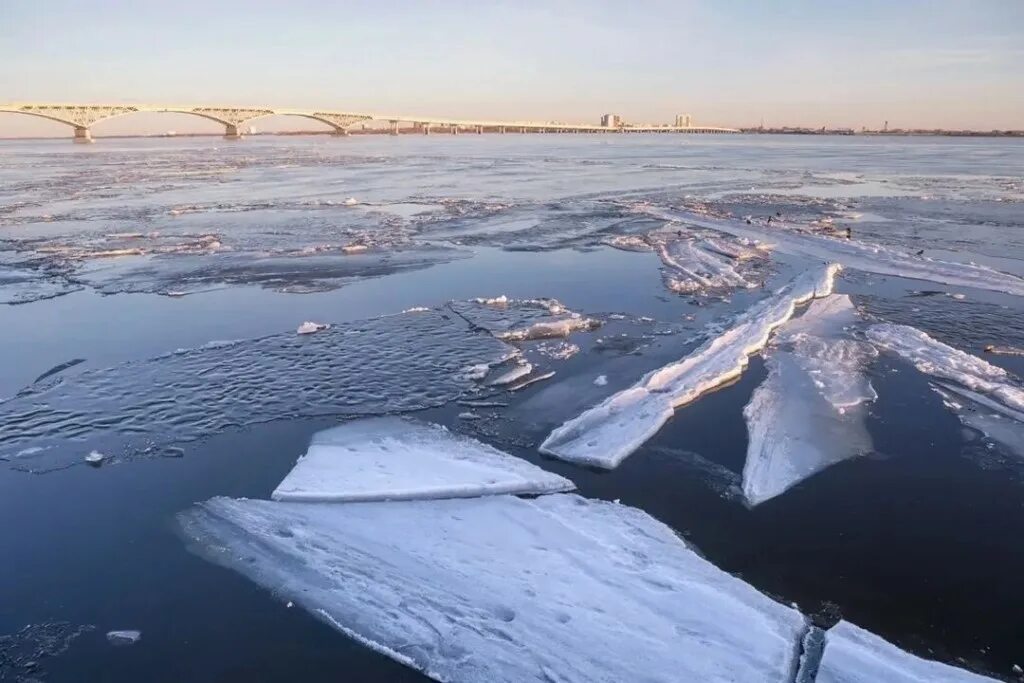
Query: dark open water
(129, 250)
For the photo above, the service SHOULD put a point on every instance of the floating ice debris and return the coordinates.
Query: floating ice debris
(858, 255)
(628, 242)
(607, 433)
(527, 381)
(120, 638)
(311, 327)
(853, 655)
(390, 458)
(415, 361)
(416, 309)
(467, 415)
(601, 380)
(558, 588)
(808, 414)
(993, 419)
(354, 248)
(934, 358)
(523, 319)
(691, 269)
(95, 458)
(517, 372)
(351, 201)
(23, 653)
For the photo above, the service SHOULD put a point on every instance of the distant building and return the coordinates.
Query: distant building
(611, 120)
(682, 120)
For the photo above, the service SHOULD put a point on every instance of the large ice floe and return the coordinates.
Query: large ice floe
(607, 433)
(499, 588)
(391, 458)
(809, 412)
(391, 364)
(853, 655)
(984, 396)
(859, 255)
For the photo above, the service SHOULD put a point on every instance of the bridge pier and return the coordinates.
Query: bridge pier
(339, 133)
(231, 132)
(455, 130)
(82, 135)
(479, 130)
(426, 128)
(394, 127)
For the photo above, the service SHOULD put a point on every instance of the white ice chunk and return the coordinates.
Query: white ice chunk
(853, 655)
(311, 327)
(551, 329)
(689, 268)
(934, 358)
(808, 414)
(517, 372)
(129, 637)
(610, 431)
(503, 589)
(390, 458)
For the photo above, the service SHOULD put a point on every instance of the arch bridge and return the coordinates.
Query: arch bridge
(81, 117)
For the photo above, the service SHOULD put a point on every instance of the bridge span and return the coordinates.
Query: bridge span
(81, 117)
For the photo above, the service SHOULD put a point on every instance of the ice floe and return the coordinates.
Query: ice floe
(607, 433)
(860, 255)
(391, 458)
(853, 655)
(559, 588)
(705, 265)
(523, 319)
(983, 396)
(934, 358)
(808, 414)
(311, 327)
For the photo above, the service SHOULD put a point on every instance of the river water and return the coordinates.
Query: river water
(150, 290)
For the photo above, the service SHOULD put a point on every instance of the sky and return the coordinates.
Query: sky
(913, 63)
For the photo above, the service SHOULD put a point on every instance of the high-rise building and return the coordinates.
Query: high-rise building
(611, 120)
(682, 120)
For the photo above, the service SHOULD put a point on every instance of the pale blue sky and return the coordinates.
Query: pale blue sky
(951, 63)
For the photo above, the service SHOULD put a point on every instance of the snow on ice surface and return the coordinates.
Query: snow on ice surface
(606, 434)
(523, 319)
(808, 414)
(860, 255)
(391, 458)
(391, 364)
(934, 358)
(558, 588)
(693, 266)
(853, 655)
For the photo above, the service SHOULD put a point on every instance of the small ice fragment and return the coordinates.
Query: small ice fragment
(354, 248)
(853, 655)
(95, 458)
(416, 309)
(468, 416)
(351, 201)
(119, 638)
(390, 458)
(290, 604)
(601, 380)
(1004, 350)
(516, 373)
(311, 327)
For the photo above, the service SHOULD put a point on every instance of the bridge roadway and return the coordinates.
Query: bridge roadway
(81, 117)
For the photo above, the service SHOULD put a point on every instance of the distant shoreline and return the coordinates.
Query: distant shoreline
(748, 131)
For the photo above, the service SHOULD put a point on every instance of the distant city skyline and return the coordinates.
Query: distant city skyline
(915, 64)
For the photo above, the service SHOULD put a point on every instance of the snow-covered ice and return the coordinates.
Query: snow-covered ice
(493, 589)
(391, 458)
(808, 414)
(607, 433)
(309, 327)
(697, 266)
(934, 358)
(859, 255)
(128, 637)
(853, 655)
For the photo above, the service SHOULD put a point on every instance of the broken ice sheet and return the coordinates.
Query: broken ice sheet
(609, 432)
(809, 412)
(693, 266)
(392, 364)
(391, 458)
(853, 655)
(506, 589)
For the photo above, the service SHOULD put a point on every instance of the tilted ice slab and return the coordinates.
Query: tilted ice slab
(853, 655)
(808, 414)
(558, 588)
(391, 458)
(859, 255)
(934, 358)
(391, 364)
(610, 431)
